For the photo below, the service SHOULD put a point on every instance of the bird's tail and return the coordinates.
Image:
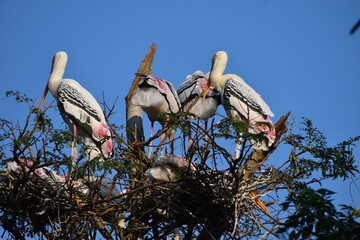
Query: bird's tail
(102, 149)
(263, 124)
(103, 140)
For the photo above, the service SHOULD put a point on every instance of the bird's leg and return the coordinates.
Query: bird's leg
(206, 135)
(190, 142)
(74, 153)
(171, 138)
(151, 135)
(239, 143)
(162, 140)
(163, 149)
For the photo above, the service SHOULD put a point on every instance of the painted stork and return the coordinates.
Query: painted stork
(167, 167)
(192, 87)
(191, 90)
(156, 96)
(80, 111)
(242, 102)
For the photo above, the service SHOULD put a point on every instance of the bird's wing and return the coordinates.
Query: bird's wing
(77, 104)
(239, 95)
(167, 90)
(187, 87)
(201, 85)
(174, 104)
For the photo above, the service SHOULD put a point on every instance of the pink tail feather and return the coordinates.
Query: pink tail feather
(101, 132)
(265, 128)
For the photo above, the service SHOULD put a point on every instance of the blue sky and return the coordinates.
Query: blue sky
(297, 54)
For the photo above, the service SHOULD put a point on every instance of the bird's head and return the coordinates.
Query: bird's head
(60, 58)
(218, 65)
(206, 90)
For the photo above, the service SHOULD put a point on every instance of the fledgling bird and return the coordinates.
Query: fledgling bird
(167, 167)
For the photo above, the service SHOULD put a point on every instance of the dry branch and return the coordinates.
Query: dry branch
(134, 123)
(135, 133)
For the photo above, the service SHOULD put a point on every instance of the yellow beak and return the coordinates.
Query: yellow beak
(43, 97)
(206, 90)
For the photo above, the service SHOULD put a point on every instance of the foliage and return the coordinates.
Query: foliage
(311, 153)
(312, 161)
(211, 202)
(316, 217)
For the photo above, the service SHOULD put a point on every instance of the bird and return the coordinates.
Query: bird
(167, 167)
(242, 102)
(80, 111)
(191, 88)
(156, 96)
(44, 172)
(190, 92)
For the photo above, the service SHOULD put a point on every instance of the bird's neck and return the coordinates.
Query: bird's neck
(56, 74)
(216, 75)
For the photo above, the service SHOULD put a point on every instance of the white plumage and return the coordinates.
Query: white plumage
(157, 97)
(80, 111)
(167, 167)
(242, 102)
(193, 87)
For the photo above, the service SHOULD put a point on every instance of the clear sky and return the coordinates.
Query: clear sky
(297, 54)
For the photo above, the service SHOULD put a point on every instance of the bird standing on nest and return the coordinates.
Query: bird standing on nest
(156, 97)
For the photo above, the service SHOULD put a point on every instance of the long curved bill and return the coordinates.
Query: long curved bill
(43, 97)
(259, 202)
(206, 90)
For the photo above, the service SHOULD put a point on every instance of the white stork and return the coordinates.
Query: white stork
(242, 102)
(80, 111)
(156, 96)
(191, 90)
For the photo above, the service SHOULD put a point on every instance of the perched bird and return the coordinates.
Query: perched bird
(167, 167)
(156, 96)
(193, 87)
(80, 111)
(242, 102)
(190, 92)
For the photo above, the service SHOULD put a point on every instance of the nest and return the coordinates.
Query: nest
(206, 202)
(32, 205)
